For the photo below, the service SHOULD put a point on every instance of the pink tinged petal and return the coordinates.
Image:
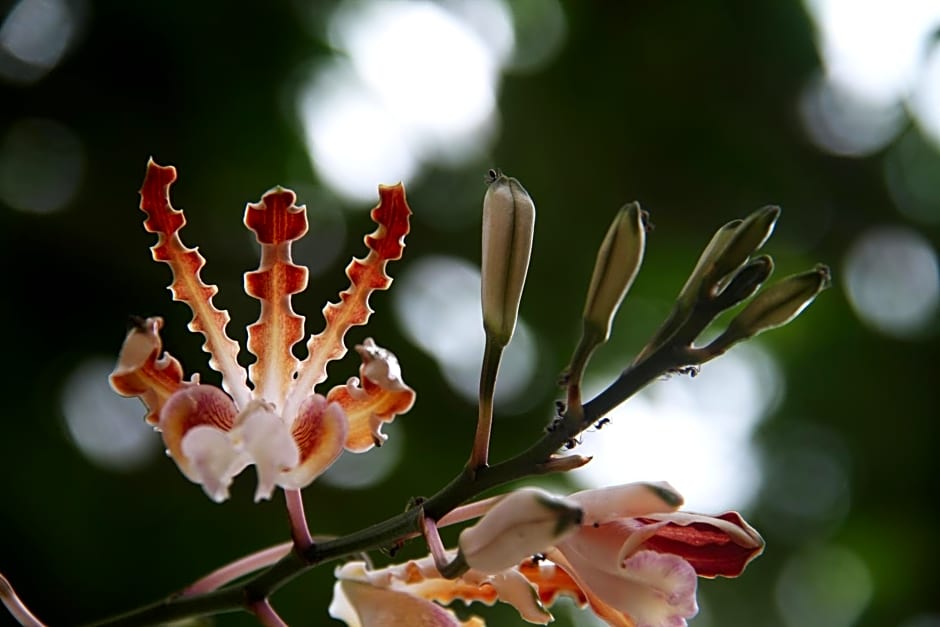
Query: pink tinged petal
(270, 445)
(319, 432)
(715, 545)
(662, 593)
(513, 588)
(276, 222)
(602, 505)
(144, 370)
(380, 397)
(378, 607)
(365, 275)
(195, 422)
(525, 522)
(188, 286)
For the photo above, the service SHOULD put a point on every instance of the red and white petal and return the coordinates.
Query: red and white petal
(208, 457)
(715, 545)
(380, 397)
(266, 439)
(212, 460)
(603, 505)
(319, 432)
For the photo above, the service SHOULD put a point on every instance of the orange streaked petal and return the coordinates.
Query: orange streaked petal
(360, 604)
(142, 371)
(319, 432)
(187, 286)
(366, 275)
(381, 396)
(276, 222)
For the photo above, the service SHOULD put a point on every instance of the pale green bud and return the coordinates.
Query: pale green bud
(693, 285)
(747, 238)
(525, 522)
(618, 261)
(776, 306)
(745, 282)
(508, 225)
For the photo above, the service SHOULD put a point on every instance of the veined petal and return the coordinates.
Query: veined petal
(381, 396)
(143, 371)
(603, 505)
(187, 286)
(319, 432)
(276, 222)
(269, 444)
(365, 275)
(715, 545)
(195, 422)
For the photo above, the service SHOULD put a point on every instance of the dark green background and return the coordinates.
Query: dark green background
(689, 107)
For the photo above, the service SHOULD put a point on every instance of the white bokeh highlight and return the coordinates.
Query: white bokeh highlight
(892, 281)
(437, 304)
(696, 433)
(108, 429)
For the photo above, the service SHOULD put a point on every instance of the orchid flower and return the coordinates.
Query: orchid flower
(268, 415)
(633, 559)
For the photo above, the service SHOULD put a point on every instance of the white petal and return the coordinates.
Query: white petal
(213, 460)
(629, 500)
(268, 441)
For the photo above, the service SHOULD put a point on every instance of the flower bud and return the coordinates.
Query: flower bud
(525, 522)
(693, 285)
(745, 282)
(776, 305)
(508, 225)
(618, 261)
(747, 238)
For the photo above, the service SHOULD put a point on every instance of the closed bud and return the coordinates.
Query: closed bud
(693, 286)
(525, 522)
(775, 306)
(618, 262)
(747, 281)
(508, 226)
(747, 238)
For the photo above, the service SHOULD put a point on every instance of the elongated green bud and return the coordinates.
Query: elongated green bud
(745, 282)
(525, 522)
(775, 306)
(693, 285)
(508, 225)
(618, 261)
(747, 238)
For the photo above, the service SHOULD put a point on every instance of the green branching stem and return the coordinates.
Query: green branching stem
(465, 486)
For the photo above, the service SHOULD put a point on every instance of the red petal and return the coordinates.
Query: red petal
(187, 285)
(709, 549)
(366, 275)
(276, 223)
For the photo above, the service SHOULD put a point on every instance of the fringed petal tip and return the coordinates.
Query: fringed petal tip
(376, 398)
(143, 369)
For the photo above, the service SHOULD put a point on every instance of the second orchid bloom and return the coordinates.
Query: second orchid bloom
(277, 423)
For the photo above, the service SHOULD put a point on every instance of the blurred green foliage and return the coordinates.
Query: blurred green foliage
(688, 107)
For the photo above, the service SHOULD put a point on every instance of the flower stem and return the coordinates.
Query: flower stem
(238, 568)
(479, 456)
(299, 531)
(266, 614)
(15, 605)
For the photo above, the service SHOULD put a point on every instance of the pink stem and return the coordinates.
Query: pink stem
(238, 568)
(433, 538)
(468, 511)
(16, 606)
(299, 530)
(266, 614)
